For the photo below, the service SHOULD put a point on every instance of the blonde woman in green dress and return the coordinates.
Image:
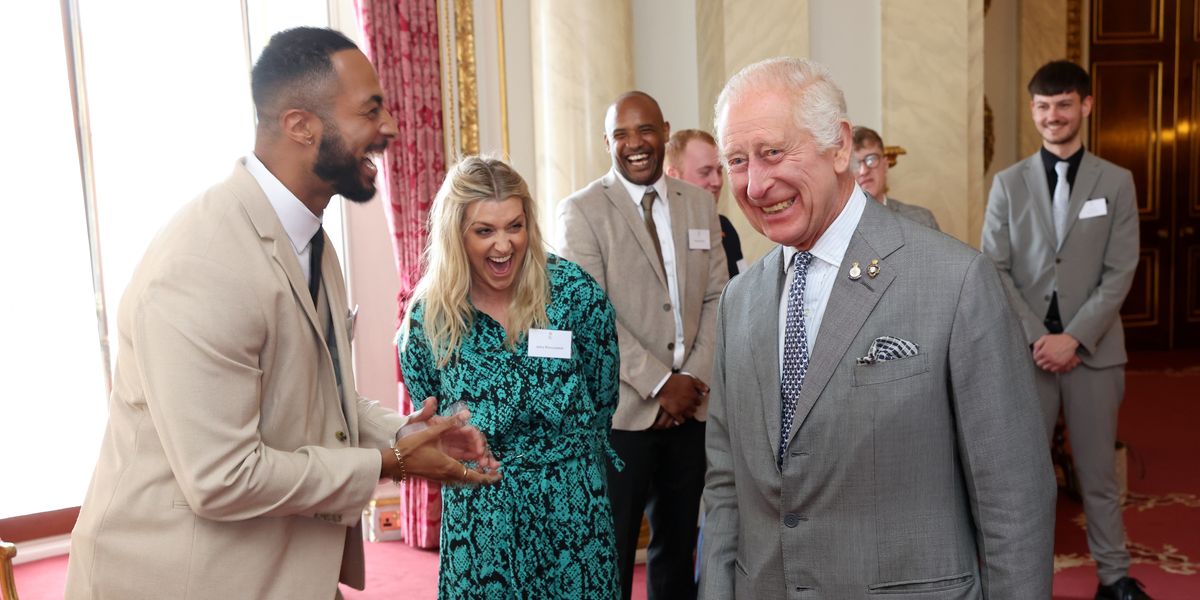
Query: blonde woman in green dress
(528, 341)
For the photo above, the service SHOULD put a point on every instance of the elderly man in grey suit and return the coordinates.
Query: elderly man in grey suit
(654, 245)
(871, 166)
(873, 427)
(1062, 227)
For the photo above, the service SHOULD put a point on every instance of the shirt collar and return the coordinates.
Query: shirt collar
(637, 191)
(832, 245)
(299, 222)
(1049, 159)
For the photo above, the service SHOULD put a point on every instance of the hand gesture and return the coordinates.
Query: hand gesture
(436, 448)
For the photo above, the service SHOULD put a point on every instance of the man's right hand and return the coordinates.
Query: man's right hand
(425, 454)
(679, 398)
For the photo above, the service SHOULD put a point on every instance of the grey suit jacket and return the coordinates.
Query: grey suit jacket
(231, 466)
(602, 230)
(913, 212)
(925, 475)
(1092, 271)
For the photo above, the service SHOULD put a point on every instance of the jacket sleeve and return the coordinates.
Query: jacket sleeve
(996, 243)
(721, 520)
(700, 359)
(1010, 483)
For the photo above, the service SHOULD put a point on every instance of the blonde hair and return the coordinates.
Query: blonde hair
(445, 286)
(819, 104)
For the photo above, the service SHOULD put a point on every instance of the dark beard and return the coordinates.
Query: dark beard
(339, 167)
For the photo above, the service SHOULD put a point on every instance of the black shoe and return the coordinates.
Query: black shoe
(1125, 588)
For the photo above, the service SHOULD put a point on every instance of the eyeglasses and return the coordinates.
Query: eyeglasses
(870, 160)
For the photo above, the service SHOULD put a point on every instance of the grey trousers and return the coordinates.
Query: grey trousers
(1090, 399)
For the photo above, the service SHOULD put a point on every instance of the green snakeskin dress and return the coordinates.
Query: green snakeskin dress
(545, 530)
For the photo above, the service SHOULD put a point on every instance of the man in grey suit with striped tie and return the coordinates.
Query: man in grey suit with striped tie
(873, 427)
(1062, 226)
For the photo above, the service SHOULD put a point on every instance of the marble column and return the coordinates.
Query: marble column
(582, 60)
(933, 107)
(1043, 39)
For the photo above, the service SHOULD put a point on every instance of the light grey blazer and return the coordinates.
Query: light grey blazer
(1094, 268)
(602, 230)
(926, 476)
(913, 212)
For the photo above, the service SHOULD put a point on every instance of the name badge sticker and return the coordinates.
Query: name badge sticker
(549, 343)
(698, 239)
(1096, 207)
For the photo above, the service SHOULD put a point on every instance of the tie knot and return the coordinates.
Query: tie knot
(802, 260)
(648, 198)
(1061, 167)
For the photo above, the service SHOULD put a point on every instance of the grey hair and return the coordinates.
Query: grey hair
(820, 105)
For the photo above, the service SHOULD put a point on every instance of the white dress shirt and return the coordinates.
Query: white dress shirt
(299, 222)
(827, 253)
(661, 213)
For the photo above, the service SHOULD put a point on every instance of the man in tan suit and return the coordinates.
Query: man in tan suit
(653, 243)
(238, 456)
(871, 169)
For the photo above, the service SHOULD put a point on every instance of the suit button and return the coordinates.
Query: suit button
(1046, 297)
(671, 346)
(667, 307)
(1058, 261)
(792, 520)
(341, 436)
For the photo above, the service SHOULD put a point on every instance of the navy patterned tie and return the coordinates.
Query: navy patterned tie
(795, 349)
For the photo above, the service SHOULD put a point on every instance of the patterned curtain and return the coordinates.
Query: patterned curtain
(402, 42)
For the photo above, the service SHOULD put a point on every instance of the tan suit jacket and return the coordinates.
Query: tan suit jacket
(229, 468)
(602, 230)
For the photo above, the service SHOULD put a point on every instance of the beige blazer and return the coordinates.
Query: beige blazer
(602, 230)
(924, 476)
(1094, 268)
(229, 467)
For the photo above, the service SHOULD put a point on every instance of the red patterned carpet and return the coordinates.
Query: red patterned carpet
(1160, 420)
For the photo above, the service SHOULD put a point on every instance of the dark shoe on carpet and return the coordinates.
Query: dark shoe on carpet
(1125, 588)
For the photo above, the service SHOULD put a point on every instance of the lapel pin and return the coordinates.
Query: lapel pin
(855, 272)
(873, 268)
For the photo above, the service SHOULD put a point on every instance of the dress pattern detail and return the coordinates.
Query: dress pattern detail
(545, 530)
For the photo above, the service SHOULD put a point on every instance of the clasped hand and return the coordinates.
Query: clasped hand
(678, 400)
(438, 450)
(1055, 352)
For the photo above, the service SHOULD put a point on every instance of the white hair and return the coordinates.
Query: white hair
(819, 104)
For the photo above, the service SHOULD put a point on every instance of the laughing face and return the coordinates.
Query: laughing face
(356, 131)
(788, 187)
(636, 137)
(495, 240)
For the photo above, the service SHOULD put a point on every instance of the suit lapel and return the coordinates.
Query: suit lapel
(624, 205)
(1085, 182)
(850, 302)
(764, 330)
(1039, 195)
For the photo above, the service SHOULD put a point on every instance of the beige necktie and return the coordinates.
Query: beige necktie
(648, 216)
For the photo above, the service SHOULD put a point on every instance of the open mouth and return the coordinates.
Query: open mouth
(500, 265)
(638, 161)
(780, 207)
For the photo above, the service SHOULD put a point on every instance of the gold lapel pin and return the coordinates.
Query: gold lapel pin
(855, 272)
(873, 268)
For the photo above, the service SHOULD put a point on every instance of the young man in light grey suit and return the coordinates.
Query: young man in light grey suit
(1062, 227)
(873, 427)
(238, 456)
(654, 245)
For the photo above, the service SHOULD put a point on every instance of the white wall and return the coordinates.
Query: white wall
(845, 37)
(664, 59)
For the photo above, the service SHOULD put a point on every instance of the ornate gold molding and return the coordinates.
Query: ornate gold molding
(1075, 31)
(503, 70)
(891, 152)
(468, 95)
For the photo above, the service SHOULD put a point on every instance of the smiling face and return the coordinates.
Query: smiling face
(356, 129)
(789, 189)
(495, 239)
(700, 166)
(873, 180)
(636, 137)
(1058, 119)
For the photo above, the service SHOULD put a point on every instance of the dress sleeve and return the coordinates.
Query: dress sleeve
(597, 331)
(417, 365)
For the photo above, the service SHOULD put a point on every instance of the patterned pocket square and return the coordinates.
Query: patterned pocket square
(886, 348)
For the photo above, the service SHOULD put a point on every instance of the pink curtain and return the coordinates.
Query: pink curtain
(402, 42)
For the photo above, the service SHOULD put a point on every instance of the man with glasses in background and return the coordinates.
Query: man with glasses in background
(870, 168)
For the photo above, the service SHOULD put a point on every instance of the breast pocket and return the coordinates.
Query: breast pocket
(890, 370)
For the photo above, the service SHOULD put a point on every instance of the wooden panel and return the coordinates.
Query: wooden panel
(1141, 308)
(1126, 119)
(1188, 128)
(1118, 21)
(1191, 309)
